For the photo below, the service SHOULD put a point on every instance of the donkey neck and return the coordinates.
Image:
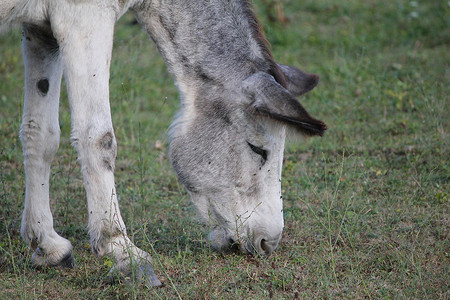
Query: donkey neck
(208, 44)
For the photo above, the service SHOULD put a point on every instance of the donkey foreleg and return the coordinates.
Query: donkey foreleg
(86, 52)
(40, 139)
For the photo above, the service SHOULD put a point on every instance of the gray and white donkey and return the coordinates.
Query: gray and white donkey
(226, 145)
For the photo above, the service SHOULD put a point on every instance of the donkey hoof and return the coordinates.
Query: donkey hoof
(41, 259)
(146, 274)
(67, 262)
(141, 274)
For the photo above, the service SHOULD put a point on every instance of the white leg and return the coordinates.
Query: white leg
(86, 53)
(40, 139)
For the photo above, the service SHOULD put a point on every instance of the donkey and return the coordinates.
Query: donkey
(226, 145)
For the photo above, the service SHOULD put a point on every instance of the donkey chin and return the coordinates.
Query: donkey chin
(255, 228)
(258, 242)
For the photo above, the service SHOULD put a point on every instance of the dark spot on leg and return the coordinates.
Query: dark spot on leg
(106, 141)
(107, 148)
(43, 86)
(108, 165)
(31, 124)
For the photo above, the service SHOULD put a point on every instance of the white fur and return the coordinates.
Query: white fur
(83, 34)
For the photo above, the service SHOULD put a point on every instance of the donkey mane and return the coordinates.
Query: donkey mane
(263, 43)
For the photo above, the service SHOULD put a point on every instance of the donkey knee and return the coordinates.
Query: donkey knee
(39, 139)
(51, 139)
(107, 147)
(96, 150)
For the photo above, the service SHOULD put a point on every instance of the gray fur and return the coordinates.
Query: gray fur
(229, 85)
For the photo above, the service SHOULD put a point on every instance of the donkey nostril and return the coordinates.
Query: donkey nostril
(221, 241)
(233, 245)
(265, 247)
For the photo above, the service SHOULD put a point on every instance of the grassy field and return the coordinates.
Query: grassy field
(366, 206)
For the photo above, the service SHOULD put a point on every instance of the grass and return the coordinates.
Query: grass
(366, 207)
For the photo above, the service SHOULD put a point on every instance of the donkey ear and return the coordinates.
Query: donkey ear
(273, 100)
(297, 81)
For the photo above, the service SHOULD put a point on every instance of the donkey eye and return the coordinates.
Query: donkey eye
(261, 152)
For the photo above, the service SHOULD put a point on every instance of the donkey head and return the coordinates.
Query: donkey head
(227, 149)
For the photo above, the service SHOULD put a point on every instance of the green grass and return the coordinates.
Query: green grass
(366, 206)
